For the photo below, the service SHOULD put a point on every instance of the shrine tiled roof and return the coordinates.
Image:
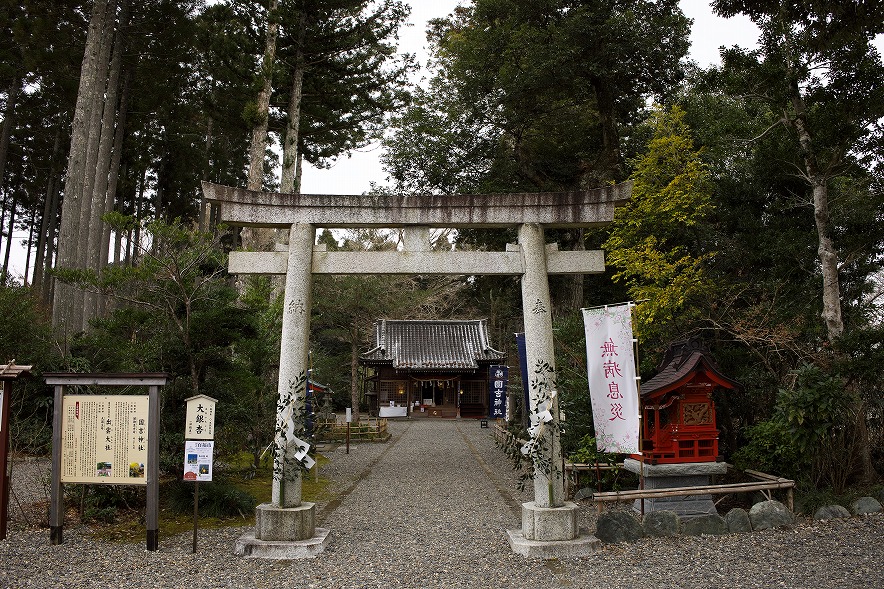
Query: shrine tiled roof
(432, 345)
(681, 362)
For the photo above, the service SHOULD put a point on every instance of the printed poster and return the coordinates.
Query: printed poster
(198, 460)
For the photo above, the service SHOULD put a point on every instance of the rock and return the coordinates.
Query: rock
(661, 523)
(584, 493)
(881, 496)
(710, 525)
(865, 505)
(769, 514)
(830, 512)
(738, 521)
(618, 526)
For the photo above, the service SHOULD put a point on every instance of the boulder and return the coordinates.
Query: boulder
(830, 512)
(710, 525)
(661, 523)
(738, 521)
(770, 514)
(618, 526)
(584, 493)
(865, 505)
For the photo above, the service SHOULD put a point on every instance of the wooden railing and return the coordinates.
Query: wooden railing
(765, 483)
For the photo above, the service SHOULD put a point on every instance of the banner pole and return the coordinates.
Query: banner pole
(641, 412)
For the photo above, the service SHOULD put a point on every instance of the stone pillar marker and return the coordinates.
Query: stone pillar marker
(286, 528)
(549, 523)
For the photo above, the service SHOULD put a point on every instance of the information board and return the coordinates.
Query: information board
(104, 439)
(198, 460)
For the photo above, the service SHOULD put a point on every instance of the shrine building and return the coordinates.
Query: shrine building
(422, 368)
(678, 412)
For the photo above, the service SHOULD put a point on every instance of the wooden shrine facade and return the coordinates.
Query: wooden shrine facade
(678, 412)
(429, 368)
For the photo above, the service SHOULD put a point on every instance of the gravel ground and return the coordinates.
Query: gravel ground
(429, 509)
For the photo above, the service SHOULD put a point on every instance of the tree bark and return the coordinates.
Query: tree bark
(5, 271)
(47, 288)
(826, 251)
(63, 304)
(84, 301)
(104, 134)
(113, 172)
(6, 131)
(262, 107)
(45, 237)
(254, 238)
(288, 184)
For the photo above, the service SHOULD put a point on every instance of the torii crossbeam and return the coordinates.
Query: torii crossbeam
(548, 520)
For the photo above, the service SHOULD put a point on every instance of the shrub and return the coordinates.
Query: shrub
(220, 499)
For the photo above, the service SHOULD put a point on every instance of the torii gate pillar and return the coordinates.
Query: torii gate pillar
(286, 528)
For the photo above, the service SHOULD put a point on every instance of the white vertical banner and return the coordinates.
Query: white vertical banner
(613, 388)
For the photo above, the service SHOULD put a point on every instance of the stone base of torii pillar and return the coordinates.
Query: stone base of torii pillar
(551, 532)
(283, 533)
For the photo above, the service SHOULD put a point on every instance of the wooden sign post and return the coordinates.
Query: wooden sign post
(8, 373)
(106, 439)
(200, 425)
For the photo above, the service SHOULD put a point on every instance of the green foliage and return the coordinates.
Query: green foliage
(655, 240)
(587, 452)
(813, 434)
(821, 415)
(531, 96)
(28, 341)
(103, 503)
(220, 498)
(770, 448)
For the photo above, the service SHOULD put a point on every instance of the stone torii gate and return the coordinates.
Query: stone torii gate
(285, 528)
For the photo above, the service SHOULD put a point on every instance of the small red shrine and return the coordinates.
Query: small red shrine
(678, 413)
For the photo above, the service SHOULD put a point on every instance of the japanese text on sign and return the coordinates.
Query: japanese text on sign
(104, 439)
(498, 378)
(200, 424)
(612, 380)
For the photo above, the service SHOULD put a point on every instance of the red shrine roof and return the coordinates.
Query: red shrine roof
(683, 360)
(432, 345)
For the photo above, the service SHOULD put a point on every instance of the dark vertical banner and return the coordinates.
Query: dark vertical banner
(523, 367)
(498, 376)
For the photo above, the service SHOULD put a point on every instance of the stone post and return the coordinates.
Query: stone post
(294, 347)
(549, 518)
(537, 312)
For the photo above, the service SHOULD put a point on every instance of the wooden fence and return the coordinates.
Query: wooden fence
(370, 430)
(765, 483)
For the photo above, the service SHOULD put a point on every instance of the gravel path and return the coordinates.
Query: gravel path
(429, 509)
